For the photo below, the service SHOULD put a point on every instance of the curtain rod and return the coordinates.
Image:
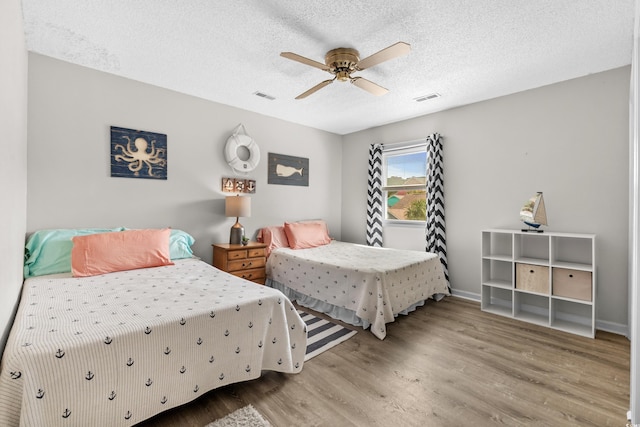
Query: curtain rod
(404, 145)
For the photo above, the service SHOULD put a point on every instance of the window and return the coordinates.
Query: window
(404, 184)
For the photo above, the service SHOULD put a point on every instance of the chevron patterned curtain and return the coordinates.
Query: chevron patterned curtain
(374, 196)
(435, 232)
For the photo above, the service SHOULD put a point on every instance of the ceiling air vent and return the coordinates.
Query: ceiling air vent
(427, 97)
(264, 95)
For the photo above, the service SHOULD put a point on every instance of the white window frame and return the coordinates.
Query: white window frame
(396, 150)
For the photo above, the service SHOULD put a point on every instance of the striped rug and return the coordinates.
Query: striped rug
(322, 334)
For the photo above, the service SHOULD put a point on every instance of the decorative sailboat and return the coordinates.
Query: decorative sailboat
(533, 213)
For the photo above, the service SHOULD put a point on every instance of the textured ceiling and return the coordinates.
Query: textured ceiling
(225, 51)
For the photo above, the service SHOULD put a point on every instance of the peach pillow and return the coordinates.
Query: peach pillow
(302, 235)
(316, 221)
(118, 251)
(274, 237)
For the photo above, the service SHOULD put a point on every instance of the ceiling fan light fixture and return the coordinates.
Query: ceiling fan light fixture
(343, 61)
(342, 58)
(343, 76)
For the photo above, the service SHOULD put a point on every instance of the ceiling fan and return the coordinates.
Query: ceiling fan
(343, 61)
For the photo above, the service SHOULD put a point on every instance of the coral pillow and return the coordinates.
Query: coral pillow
(274, 237)
(303, 235)
(316, 221)
(49, 251)
(118, 251)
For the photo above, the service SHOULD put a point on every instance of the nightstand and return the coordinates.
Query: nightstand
(247, 261)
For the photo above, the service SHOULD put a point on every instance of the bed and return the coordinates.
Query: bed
(361, 285)
(119, 347)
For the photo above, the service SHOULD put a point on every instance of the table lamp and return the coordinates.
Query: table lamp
(237, 206)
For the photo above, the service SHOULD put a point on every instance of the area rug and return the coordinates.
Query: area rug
(243, 417)
(323, 334)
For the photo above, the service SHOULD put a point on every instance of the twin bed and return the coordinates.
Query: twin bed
(97, 341)
(360, 285)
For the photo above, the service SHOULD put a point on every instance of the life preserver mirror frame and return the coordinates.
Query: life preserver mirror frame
(241, 151)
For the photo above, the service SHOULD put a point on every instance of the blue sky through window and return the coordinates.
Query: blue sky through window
(407, 165)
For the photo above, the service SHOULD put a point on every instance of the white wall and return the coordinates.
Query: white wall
(13, 162)
(70, 111)
(569, 140)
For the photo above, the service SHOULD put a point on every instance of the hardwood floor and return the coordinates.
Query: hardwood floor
(446, 364)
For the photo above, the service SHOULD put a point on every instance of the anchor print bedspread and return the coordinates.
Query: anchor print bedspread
(375, 283)
(119, 348)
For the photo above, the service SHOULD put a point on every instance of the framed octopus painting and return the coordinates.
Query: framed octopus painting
(138, 154)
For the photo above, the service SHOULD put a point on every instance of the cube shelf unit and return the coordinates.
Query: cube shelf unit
(557, 278)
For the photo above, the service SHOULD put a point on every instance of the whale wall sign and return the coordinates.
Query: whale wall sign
(288, 170)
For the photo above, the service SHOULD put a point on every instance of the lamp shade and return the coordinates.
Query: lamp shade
(237, 206)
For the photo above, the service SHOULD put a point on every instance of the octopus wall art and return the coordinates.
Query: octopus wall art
(138, 154)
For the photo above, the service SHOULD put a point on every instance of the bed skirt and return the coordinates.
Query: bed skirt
(335, 312)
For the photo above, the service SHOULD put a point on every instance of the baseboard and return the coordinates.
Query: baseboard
(614, 328)
(601, 325)
(466, 295)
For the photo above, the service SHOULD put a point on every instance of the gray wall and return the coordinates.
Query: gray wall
(13, 162)
(569, 140)
(70, 111)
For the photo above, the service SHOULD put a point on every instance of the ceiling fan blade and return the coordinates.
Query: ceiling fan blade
(393, 51)
(303, 60)
(315, 89)
(369, 86)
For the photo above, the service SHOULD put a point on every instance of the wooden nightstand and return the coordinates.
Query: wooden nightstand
(243, 261)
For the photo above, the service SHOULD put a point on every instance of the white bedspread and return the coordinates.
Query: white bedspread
(375, 283)
(119, 348)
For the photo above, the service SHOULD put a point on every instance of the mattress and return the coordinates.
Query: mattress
(362, 285)
(119, 348)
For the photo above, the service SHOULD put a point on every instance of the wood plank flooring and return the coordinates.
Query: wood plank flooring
(446, 364)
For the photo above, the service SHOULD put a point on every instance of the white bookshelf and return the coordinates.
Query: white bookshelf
(564, 290)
